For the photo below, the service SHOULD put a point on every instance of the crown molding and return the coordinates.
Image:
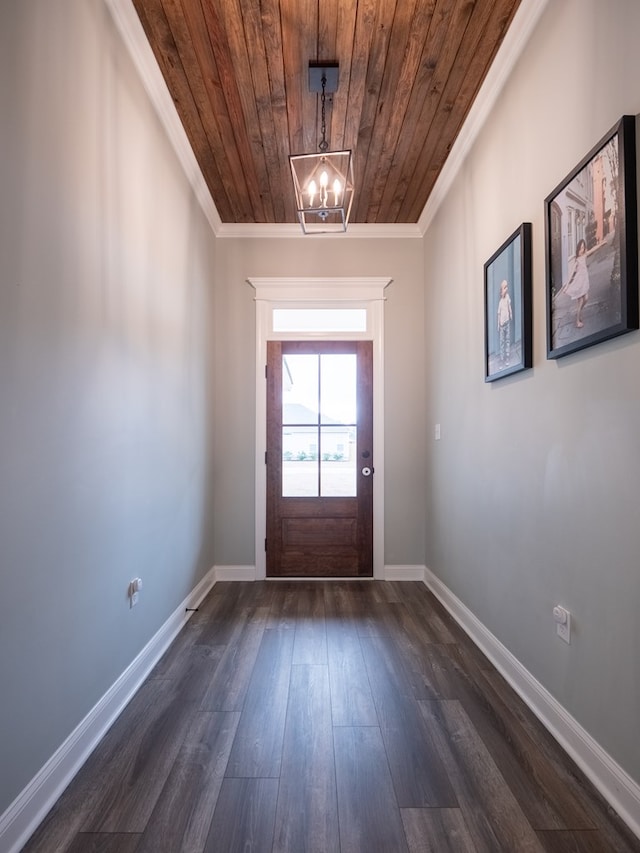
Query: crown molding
(515, 40)
(357, 230)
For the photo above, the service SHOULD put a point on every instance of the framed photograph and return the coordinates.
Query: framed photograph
(507, 307)
(592, 247)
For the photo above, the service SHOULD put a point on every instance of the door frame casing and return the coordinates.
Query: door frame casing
(360, 292)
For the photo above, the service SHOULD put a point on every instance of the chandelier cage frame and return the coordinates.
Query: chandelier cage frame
(323, 181)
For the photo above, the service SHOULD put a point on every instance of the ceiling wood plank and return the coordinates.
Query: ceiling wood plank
(345, 27)
(190, 33)
(327, 29)
(257, 102)
(272, 40)
(244, 51)
(378, 60)
(392, 102)
(157, 30)
(448, 102)
(450, 19)
(399, 104)
(299, 44)
(225, 36)
(363, 36)
(484, 32)
(327, 46)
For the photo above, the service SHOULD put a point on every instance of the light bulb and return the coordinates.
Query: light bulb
(324, 179)
(312, 189)
(337, 189)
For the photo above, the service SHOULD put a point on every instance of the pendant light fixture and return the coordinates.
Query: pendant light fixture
(323, 182)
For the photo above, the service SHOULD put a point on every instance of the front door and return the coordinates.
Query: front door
(319, 459)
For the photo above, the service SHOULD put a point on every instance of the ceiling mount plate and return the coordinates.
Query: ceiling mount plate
(327, 69)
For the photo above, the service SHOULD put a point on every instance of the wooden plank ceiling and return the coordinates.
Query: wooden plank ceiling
(238, 73)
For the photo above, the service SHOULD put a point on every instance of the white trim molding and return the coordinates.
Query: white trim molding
(404, 573)
(312, 292)
(390, 573)
(290, 230)
(616, 786)
(307, 289)
(235, 573)
(29, 808)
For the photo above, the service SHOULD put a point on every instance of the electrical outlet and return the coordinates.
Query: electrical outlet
(134, 591)
(436, 432)
(562, 618)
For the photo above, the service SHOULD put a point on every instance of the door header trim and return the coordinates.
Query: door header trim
(360, 288)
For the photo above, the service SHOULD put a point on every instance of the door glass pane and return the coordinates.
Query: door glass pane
(299, 461)
(338, 388)
(300, 389)
(319, 319)
(300, 401)
(338, 461)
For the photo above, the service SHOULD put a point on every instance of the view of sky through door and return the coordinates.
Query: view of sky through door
(319, 418)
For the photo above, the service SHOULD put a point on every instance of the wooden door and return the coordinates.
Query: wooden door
(319, 459)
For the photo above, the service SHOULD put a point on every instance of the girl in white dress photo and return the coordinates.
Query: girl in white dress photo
(577, 287)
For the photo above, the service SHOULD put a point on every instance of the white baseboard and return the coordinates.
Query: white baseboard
(248, 573)
(30, 807)
(235, 573)
(616, 786)
(404, 573)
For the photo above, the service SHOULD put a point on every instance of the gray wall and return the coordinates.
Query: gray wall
(105, 375)
(534, 488)
(400, 259)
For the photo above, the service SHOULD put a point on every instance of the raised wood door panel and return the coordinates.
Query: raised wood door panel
(320, 516)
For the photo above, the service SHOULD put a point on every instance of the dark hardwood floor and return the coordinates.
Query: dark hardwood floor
(354, 717)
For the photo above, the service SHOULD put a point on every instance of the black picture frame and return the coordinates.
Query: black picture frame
(591, 242)
(507, 317)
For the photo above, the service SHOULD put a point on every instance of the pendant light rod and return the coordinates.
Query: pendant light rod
(323, 124)
(323, 78)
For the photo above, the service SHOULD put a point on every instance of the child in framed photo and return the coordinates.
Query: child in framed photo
(505, 316)
(507, 306)
(577, 285)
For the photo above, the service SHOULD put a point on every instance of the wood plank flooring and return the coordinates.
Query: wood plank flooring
(333, 717)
